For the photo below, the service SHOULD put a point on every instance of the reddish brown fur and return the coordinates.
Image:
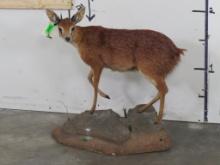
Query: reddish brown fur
(122, 50)
(150, 52)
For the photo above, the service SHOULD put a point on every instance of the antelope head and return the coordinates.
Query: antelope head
(67, 26)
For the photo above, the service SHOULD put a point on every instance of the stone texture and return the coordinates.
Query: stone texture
(103, 124)
(106, 132)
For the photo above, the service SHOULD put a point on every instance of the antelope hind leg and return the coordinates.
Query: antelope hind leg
(162, 87)
(146, 106)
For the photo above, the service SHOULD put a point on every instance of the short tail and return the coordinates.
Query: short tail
(181, 51)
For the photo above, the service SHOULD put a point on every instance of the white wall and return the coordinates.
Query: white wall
(48, 75)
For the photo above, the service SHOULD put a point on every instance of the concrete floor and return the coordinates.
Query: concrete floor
(25, 140)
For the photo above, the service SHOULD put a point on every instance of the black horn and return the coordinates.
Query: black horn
(69, 14)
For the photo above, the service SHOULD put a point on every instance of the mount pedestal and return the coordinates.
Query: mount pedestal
(108, 133)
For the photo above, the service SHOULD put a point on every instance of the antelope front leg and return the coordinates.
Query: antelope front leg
(90, 78)
(96, 73)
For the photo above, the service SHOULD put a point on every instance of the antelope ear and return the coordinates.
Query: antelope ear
(52, 16)
(79, 15)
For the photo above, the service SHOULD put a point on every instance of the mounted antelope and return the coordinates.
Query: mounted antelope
(147, 51)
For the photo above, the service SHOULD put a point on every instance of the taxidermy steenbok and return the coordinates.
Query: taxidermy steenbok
(147, 51)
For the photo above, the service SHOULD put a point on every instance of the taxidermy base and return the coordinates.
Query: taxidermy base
(107, 133)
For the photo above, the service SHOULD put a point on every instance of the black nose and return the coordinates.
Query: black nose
(67, 39)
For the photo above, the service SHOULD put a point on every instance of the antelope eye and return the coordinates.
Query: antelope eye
(60, 30)
(72, 29)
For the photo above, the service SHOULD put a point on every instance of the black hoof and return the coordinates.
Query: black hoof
(92, 112)
(107, 97)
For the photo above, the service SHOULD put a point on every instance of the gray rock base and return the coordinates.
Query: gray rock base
(108, 133)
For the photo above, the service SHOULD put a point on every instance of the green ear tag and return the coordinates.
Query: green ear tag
(49, 29)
